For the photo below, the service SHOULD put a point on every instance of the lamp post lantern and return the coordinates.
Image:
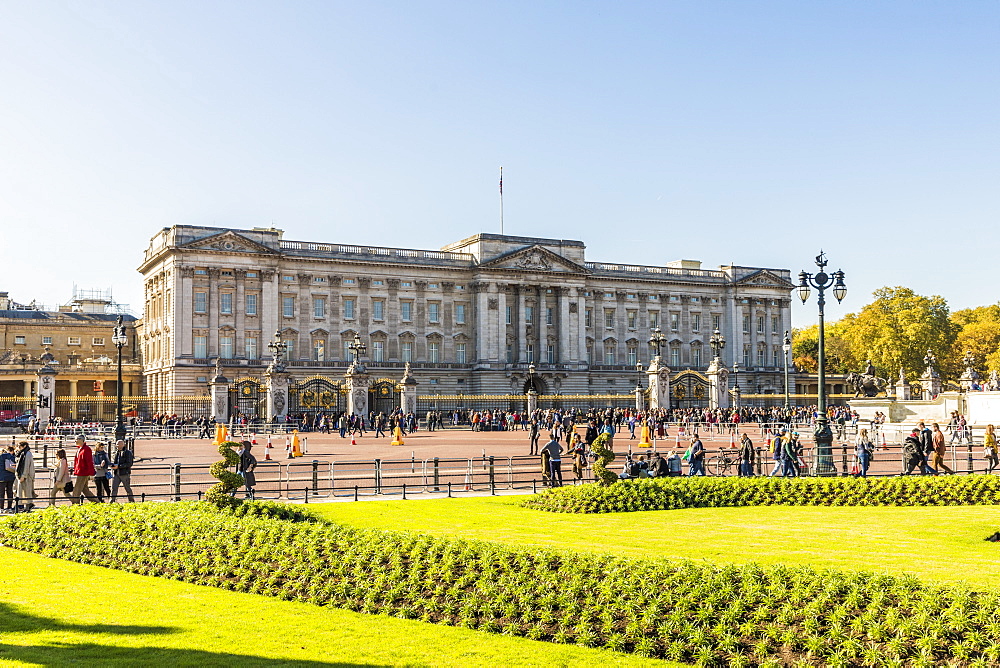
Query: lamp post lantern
(277, 348)
(736, 385)
(786, 345)
(822, 282)
(119, 338)
(358, 349)
(656, 341)
(718, 343)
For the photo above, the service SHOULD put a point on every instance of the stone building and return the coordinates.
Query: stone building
(469, 318)
(75, 339)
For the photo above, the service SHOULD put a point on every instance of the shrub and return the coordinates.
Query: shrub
(221, 493)
(605, 456)
(659, 608)
(705, 492)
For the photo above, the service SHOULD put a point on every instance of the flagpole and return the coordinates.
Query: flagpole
(501, 200)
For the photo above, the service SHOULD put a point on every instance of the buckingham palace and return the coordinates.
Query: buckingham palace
(469, 318)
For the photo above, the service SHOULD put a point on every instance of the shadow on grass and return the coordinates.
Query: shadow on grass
(16, 620)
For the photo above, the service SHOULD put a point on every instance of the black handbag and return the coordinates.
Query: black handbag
(68, 488)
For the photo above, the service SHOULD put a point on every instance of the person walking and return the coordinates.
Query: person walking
(62, 481)
(533, 435)
(696, 464)
(912, 452)
(83, 469)
(8, 466)
(25, 473)
(121, 467)
(863, 449)
(926, 449)
(747, 456)
(777, 450)
(246, 468)
(101, 463)
(940, 449)
(554, 451)
(790, 456)
(990, 448)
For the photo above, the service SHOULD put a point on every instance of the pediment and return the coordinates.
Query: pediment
(766, 279)
(229, 242)
(535, 259)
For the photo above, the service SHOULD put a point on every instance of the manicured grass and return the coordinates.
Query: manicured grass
(943, 544)
(59, 613)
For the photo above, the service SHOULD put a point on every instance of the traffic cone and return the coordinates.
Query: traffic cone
(644, 441)
(296, 450)
(732, 441)
(288, 448)
(353, 440)
(397, 437)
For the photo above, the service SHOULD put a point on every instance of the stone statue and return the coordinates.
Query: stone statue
(869, 368)
(867, 383)
(930, 361)
(218, 367)
(994, 381)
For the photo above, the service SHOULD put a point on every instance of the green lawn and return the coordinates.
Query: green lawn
(60, 613)
(934, 543)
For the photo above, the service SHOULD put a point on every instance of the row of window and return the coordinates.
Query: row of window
(318, 352)
(319, 307)
(632, 320)
(21, 340)
(761, 321)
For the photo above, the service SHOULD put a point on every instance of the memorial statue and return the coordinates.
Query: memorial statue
(218, 367)
(867, 383)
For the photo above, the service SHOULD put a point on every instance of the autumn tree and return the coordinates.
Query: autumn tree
(898, 328)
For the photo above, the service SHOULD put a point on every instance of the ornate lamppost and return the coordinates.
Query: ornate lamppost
(718, 343)
(532, 393)
(786, 345)
(278, 349)
(119, 338)
(656, 341)
(822, 282)
(358, 350)
(736, 385)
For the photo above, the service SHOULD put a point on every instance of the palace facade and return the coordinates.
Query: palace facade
(469, 317)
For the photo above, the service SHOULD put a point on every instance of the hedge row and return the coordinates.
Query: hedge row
(704, 492)
(711, 616)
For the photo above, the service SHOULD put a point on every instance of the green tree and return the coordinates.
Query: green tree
(898, 328)
(979, 335)
(840, 357)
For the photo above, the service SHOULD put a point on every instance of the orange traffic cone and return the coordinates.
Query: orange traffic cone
(353, 440)
(732, 441)
(288, 448)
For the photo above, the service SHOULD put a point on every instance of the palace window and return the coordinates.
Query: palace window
(510, 354)
(696, 356)
(226, 303)
(588, 317)
(21, 340)
(226, 347)
(289, 348)
(348, 309)
(201, 347)
(251, 303)
(407, 351)
(609, 318)
(460, 353)
(46, 341)
(775, 356)
(348, 281)
(406, 311)
(97, 341)
(609, 353)
(760, 357)
(760, 324)
(251, 274)
(550, 354)
(434, 352)
(774, 324)
(548, 315)
(696, 322)
(378, 309)
(508, 320)
(319, 307)
(460, 314)
(675, 356)
(378, 351)
(250, 347)
(717, 322)
(746, 324)
(319, 350)
(654, 319)
(200, 302)
(633, 355)
(434, 312)
(531, 353)
(631, 316)
(746, 357)
(529, 314)
(288, 307)
(72, 341)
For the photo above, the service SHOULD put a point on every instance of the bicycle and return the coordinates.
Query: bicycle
(725, 463)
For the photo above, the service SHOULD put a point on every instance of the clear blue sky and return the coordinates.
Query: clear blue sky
(746, 132)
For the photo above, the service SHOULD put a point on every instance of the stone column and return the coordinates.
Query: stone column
(563, 323)
(532, 401)
(277, 395)
(659, 384)
(27, 388)
(220, 396)
(718, 384)
(45, 401)
(408, 397)
(522, 329)
(358, 383)
(902, 387)
(213, 312)
(640, 398)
